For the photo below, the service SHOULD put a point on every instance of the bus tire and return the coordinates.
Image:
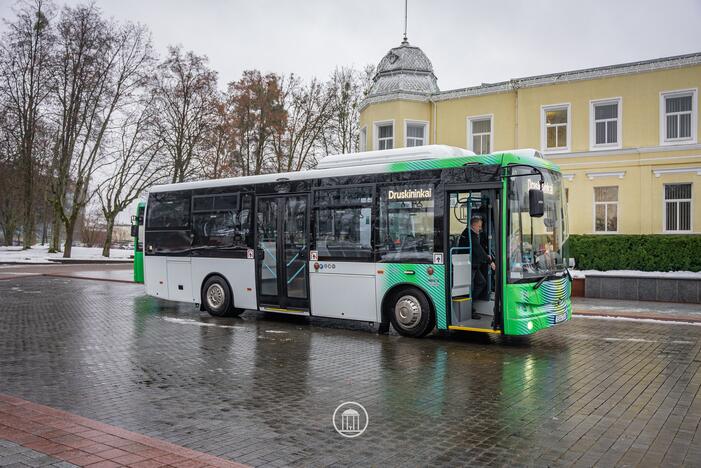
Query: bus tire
(217, 298)
(410, 312)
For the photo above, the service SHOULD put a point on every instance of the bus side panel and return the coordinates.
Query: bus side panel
(541, 308)
(416, 275)
(156, 276)
(239, 272)
(343, 290)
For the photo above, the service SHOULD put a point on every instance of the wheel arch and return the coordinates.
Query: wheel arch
(204, 280)
(397, 287)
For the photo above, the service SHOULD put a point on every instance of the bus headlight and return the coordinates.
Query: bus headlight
(529, 325)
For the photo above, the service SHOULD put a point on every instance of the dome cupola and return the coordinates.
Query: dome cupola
(404, 69)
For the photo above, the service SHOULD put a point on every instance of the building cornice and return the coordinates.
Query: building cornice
(624, 151)
(664, 63)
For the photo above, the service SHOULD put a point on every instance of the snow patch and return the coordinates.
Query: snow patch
(198, 323)
(40, 254)
(638, 274)
(644, 320)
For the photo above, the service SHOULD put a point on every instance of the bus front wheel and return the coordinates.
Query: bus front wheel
(410, 313)
(217, 298)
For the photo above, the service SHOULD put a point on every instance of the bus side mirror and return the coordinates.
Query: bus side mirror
(536, 205)
(134, 230)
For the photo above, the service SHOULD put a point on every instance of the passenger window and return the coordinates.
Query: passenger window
(406, 223)
(218, 222)
(168, 210)
(344, 223)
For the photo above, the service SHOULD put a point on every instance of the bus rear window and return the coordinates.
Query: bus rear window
(169, 210)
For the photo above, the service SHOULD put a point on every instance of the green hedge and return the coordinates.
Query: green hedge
(635, 252)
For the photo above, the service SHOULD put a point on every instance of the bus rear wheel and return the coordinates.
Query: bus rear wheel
(217, 298)
(410, 313)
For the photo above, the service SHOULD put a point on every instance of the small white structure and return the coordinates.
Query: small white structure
(350, 421)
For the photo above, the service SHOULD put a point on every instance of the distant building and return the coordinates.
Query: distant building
(625, 136)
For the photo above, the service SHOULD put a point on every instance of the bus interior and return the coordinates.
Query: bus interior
(467, 310)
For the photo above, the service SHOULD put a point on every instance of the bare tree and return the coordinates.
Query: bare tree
(99, 65)
(24, 54)
(10, 180)
(349, 88)
(257, 109)
(92, 228)
(184, 91)
(309, 108)
(135, 164)
(217, 160)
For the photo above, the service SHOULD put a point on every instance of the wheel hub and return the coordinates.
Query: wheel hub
(215, 296)
(407, 311)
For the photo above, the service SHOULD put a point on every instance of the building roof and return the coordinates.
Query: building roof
(664, 63)
(404, 69)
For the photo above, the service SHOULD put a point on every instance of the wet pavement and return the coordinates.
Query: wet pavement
(669, 311)
(103, 271)
(261, 389)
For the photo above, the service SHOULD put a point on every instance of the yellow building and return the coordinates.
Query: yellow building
(624, 136)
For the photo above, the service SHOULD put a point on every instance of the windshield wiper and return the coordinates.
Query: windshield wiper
(544, 278)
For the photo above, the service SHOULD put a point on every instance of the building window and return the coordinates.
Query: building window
(479, 134)
(677, 207)
(415, 133)
(678, 117)
(384, 135)
(605, 124)
(363, 139)
(555, 127)
(606, 209)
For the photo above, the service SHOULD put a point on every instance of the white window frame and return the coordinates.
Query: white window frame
(375, 134)
(694, 116)
(471, 119)
(423, 123)
(543, 129)
(593, 146)
(618, 210)
(363, 139)
(664, 209)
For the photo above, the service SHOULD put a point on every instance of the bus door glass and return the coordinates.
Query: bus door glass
(472, 244)
(283, 251)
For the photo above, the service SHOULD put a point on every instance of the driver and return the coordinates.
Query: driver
(479, 257)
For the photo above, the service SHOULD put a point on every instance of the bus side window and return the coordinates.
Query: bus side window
(221, 221)
(406, 223)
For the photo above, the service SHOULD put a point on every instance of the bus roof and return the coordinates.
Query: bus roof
(376, 162)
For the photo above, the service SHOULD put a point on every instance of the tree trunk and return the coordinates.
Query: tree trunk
(9, 234)
(28, 221)
(108, 237)
(55, 235)
(68, 244)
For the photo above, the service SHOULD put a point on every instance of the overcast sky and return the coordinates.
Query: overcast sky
(469, 42)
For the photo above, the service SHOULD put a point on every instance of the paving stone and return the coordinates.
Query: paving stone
(262, 388)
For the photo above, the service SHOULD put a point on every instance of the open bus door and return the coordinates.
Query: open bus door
(467, 310)
(137, 232)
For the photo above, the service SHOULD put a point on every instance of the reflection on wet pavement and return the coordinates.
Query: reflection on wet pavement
(261, 389)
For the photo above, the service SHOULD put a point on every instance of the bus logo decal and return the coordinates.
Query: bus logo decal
(350, 419)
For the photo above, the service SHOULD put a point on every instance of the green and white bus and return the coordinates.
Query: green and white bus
(372, 236)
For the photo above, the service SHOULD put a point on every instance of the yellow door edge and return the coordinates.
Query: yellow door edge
(287, 311)
(483, 330)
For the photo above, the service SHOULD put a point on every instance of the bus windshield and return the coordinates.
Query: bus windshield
(535, 245)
